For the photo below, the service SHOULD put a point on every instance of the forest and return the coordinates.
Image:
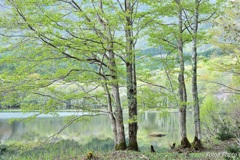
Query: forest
(119, 79)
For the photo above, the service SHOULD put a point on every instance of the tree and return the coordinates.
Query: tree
(117, 119)
(59, 38)
(173, 36)
(170, 33)
(225, 36)
(132, 22)
(181, 79)
(197, 137)
(192, 12)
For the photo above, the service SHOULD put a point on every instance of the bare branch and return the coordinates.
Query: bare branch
(120, 5)
(154, 84)
(70, 122)
(237, 90)
(208, 18)
(170, 43)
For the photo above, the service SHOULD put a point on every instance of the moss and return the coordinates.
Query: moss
(196, 144)
(121, 146)
(133, 146)
(185, 143)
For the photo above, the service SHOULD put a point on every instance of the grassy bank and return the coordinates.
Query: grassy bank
(70, 150)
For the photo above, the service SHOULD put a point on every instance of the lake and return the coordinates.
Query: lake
(86, 130)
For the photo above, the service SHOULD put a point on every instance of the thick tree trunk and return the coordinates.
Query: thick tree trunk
(181, 80)
(134, 125)
(197, 139)
(132, 108)
(131, 79)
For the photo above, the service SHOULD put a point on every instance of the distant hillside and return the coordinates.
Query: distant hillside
(152, 51)
(204, 50)
(150, 58)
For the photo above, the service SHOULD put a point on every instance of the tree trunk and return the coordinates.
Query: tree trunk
(121, 143)
(111, 115)
(118, 114)
(181, 80)
(131, 79)
(132, 108)
(116, 117)
(197, 139)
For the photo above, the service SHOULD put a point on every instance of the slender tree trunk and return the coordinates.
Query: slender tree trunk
(134, 111)
(118, 114)
(181, 80)
(117, 117)
(131, 79)
(121, 143)
(197, 138)
(111, 115)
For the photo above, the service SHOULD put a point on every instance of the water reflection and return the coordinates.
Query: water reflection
(96, 127)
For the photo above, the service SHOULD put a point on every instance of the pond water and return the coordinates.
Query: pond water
(85, 131)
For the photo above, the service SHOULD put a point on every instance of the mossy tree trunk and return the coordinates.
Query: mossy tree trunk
(131, 77)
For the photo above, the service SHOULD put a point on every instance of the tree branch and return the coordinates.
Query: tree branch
(154, 84)
(238, 90)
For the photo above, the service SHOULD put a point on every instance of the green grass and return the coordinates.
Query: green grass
(64, 149)
(71, 150)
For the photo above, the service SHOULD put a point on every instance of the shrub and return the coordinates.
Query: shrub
(3, 149)
(225, 132)
(233, 152)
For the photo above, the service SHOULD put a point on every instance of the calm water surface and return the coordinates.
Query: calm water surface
(84, 131)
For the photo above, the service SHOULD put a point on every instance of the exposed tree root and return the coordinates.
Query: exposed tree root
(196, 144)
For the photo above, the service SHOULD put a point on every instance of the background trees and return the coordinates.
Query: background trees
(225, 34)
